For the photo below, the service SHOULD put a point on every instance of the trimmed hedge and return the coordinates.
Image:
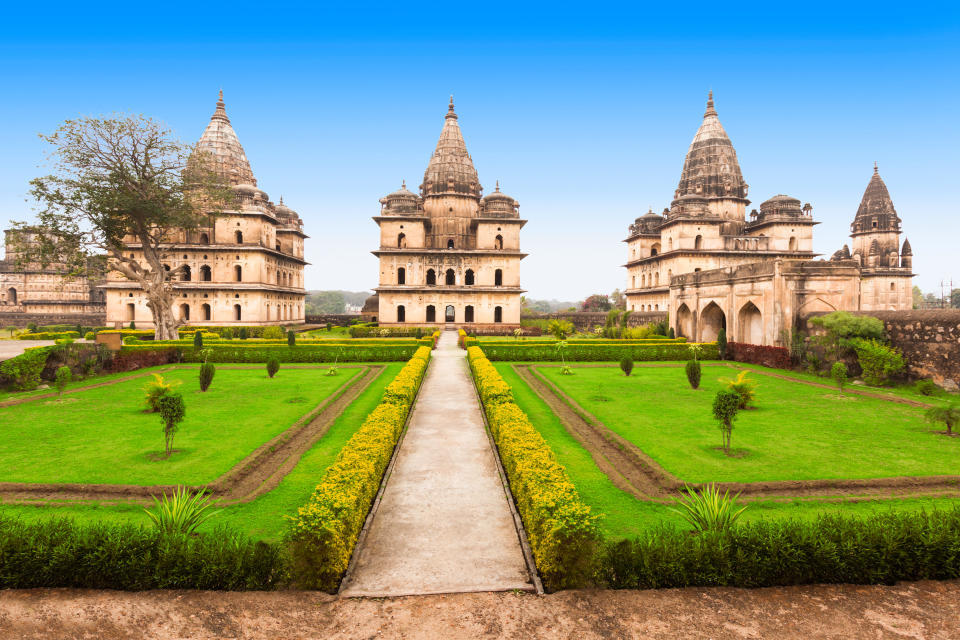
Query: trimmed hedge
(22, 372)
(140, 334)
(593, 341)
(358, 331)
(239, 352)
(57, 552)
(132, 358)
(563, 533)
(324, 532)
(300, 341)
(590, 352)
(49, 335)
(775, 357)
(879, 549)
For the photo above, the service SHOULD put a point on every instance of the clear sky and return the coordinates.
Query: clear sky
(583, 111)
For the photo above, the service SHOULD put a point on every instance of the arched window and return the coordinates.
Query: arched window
(468, 313)
(205, 273)
(431, 313)
(237, 313)
(655, 249)
(698, 242)
(205, 310)
(450, 243)
(185, 312)
(401, 314)
(656, 278)
(793, 243)
(498, 242)
(278, 246)
(633, 282)
(670, 243)
(451, 277)
(498, 278)
(892, 287)
(204, 238)
(643, 280)
(239, 237)
(450, 314)
(402, 241)
(185, 273)
(431, 277)
(12, 295)
(401, 276)
(468, 277)
(238, 273)
(498, 314)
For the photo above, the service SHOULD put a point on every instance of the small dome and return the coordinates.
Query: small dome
(283, 210)
(371, 304)
(401, 201)
(499, 203)
(781, 206)
(263, 195)
(245, 189)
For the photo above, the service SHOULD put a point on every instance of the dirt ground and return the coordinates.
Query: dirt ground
(917, 610)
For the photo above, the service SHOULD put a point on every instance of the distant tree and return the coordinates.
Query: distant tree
(62, 379)
(917, 297)
(841, 328)
(839, 374)
(120, 177)
(949, 415)
(323, 302)
(722, 344)
(618, 300)
(540, 306)
(596, 302)
(931, 301)
(955, 299)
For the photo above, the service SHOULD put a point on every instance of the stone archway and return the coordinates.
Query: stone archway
(712, 319)
(684, 321)
(450, 314)
(750, 324)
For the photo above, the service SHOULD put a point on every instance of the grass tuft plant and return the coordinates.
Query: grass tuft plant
(181, 512)
(744, 387)
(708, 510)
(157, 389)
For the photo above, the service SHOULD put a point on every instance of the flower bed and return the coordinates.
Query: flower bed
(324, 532)
(240, 352)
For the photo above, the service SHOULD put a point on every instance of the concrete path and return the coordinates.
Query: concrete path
(13, 348)
(444, 524)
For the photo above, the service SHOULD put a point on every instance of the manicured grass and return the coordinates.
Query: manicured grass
(263, 518)
(102, 435)
(625, 516)
(73, 384)
(335, 332)
(796, 431)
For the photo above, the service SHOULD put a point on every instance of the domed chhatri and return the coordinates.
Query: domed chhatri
(709, 266)
(246, 268)
(448, 255)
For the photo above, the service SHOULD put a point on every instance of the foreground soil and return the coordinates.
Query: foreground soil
(909, 610)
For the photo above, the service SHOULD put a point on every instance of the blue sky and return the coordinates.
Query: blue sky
(583, 111)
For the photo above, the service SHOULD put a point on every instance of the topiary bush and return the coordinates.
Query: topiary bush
(273, 365)
(722, 344)
(206, 375)
(693, 373)
(244, 334)
(291, 338)
(198, 340)
(626, 365)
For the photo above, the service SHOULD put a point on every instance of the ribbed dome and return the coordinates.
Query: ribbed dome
(876, 207)
(221, 142)
(781, 206)
(451, 169)
(401, 201)
(499, 203)
(711, 169)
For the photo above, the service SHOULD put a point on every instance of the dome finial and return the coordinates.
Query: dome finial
(710, 110)
(498, 186)
(450, 112)
(875, 169)
(403, 184)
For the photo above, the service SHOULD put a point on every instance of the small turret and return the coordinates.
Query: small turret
(906, 255)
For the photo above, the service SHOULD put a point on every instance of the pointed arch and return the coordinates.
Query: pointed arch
(750, 324)
(712, 319)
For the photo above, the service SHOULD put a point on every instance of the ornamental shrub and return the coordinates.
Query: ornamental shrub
(726, 404)
(243, 333)
(722, 344)
(693, 373)
(181, 512)
(156, 389)
(744, 387)
(877, 360)
(927, 387)
(626, 365)
(198, 341)
(133, 326)
(273, 365)
(172, 412)
(949, 415)
(62, 378)
(839, 374)
(842, 327)
(272, 333)
(671, 334)
(23, 372)
(291, 338)
(206, 375)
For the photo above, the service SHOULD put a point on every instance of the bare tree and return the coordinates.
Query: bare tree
(123, 186)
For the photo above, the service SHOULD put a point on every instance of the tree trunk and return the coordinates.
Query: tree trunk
(160, 303)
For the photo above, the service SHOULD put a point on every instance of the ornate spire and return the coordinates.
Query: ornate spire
(876, 211)
(711, 169)
(451, 169)
(220, 141)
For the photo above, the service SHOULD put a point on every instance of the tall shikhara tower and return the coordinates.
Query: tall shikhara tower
(449, 255)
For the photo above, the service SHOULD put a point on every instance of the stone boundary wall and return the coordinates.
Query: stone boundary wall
(583, 320)
(928, 338)
(338, 319)
(21, 319)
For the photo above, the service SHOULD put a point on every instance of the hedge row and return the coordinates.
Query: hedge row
(57, 552)
(49, 335)
(389, 332)
(588, 352)
(22, 372)
(563, 533)
(593, 341)
(325, 530)
(300, 341)
(878, 549)
(776, 357)
(232, 352)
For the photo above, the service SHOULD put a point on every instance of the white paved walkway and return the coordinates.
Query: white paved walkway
(12, 348)
(444, 524)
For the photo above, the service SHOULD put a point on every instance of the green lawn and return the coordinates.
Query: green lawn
(796, 431)
(624, 515)
(262, 518)
(335, 332)
(102, 435)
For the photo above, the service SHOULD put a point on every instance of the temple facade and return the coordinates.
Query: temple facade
(449, 255)
(31, 292)
(711, 266)
(246, 268)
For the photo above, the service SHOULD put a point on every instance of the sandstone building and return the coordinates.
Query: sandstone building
(244, 269)
(710, 267)
(30, 292)
(449, 255)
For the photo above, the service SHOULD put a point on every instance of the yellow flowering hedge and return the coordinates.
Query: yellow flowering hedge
(325, 530)
(563, 534)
